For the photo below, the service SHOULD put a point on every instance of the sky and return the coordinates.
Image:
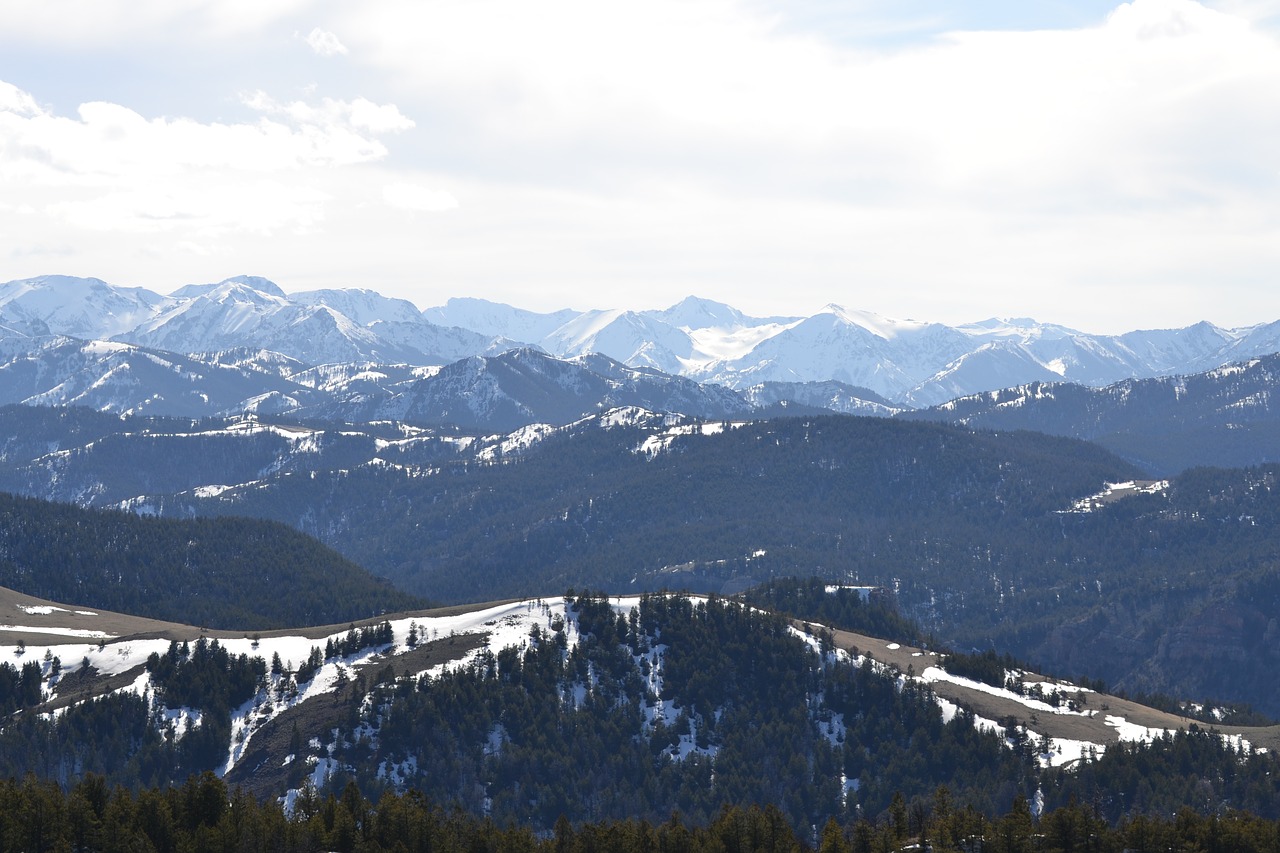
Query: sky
(1099, 165)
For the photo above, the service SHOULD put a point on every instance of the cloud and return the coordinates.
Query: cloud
(710, 91)
(110, 168)
(414, 197)
(325, 43)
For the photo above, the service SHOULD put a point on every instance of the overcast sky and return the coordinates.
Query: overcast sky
(1103, 166)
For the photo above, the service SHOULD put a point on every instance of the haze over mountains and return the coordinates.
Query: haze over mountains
(906, 363)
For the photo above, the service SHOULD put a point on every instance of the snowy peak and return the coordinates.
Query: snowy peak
(693, 313)
(76, 307)
(364, 307)
(881, 327)
(251, 282)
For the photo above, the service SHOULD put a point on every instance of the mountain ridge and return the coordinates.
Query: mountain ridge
(908, 362)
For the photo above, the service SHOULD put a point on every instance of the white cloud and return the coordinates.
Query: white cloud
(110, 168)
(699, 90)
(414, 197)
(325, 43)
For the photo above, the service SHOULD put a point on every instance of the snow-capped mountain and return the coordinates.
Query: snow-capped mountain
(237, 314)
(86, 308)
(907, 362)
(854, 347)
(482, 393)
(693, 313)
(398, 323)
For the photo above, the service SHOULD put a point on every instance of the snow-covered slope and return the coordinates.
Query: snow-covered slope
(627, 336)
(497, 320)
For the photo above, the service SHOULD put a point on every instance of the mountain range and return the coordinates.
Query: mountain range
(905, 363)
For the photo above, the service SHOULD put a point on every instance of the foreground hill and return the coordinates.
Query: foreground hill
(592, 708)
(225, 572)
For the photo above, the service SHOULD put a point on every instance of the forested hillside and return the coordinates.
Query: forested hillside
(627, 506)
(225, 572)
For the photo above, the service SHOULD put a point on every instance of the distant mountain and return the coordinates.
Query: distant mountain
(236, 314)
(497, 320)
(481, 393)
(76, 307)
(693, 313)
(1228, 416)
(907, 362)
(400, 325)
(124, 378)
(526, 386)
(627, 336)
(857, 348)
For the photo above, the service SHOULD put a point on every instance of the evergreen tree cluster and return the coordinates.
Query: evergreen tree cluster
(356, 639)
(20, 688)
(205, 676)
(673, 706)
(202, 814)
(115, 736)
